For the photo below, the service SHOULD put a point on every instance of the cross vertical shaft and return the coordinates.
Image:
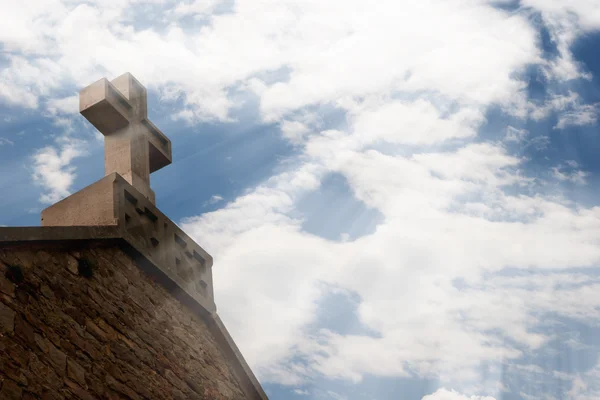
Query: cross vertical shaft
(133, 146)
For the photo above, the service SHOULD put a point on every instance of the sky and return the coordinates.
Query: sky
(401, 197)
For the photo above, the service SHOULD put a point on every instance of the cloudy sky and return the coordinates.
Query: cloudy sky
(400, 196)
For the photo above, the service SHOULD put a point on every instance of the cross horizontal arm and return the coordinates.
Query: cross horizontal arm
(105, 107)
(160, 147)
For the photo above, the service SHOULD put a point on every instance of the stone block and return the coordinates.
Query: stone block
(58, 359)
(24, 331)
(75, 372)
(10, 391)
(47, 292)
(6, 286)
(95, 330)
(7, 319)
(78, 391)
(104, 106)
(72, 264)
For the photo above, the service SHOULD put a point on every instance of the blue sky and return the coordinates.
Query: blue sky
(401, 199)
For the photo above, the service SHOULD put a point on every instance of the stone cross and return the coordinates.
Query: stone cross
(133, 146)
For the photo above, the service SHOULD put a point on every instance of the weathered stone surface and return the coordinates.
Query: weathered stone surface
(24, 331)
(79, 392)
(7, 319)
(6, 286)
(96, 342)
(94, 330)
(47, 292)
(42, 376)
(10, 390)
(58, 359)
(75, 372)
(72, 264)
(13, 371)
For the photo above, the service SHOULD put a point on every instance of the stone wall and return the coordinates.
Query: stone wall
(89, 324)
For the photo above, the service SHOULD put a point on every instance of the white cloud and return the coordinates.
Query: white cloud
(404, 271)
(4, 141)
(584, 386)
(563, 31)
(556, 102)
(24, 81)
(515, 135)
(294, 131)
(569, 172)
(334, 72)
(575, 177)
(539, 142)
(586, 11)
(214, 200)
(568, 107)
(413, 122)
(265, 36)
(66, 105)
(581, 115)
(566, 20)
(405, 289)
(196, 8)
(336, 396)
(444, 394)
(52, 168)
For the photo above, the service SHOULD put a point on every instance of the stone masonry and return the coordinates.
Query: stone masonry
(115, 334)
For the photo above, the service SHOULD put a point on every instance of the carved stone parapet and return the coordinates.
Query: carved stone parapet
(112, 201)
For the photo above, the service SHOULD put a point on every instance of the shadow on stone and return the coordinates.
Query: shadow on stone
(14, 273)
(85, 268)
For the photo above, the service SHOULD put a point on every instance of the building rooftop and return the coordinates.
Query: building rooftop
(120, 209)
